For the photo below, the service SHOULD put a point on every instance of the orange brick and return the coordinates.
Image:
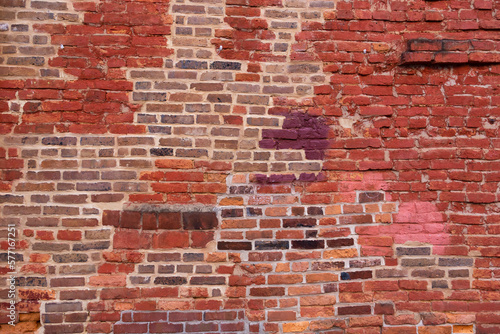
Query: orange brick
(318, 325)
(355, 297)
(174, 163)
(366, 321)
(333, 210)
(238, 223)
(456, 318)
(304, 290)
(282, 267)
(463, 329)
(290, 302)
(399, 330)
(340, 253)
(389, 207)
(281, 315)
(317, 311)
(323, 277)
(295, 327)
(300, 266)
(383, 218)
(317, 300)
(216, 257)
(372, 208)
(108, 280)
(276, 211)
(36, 294)
(284, 279)
(228, 201)
(435, 330)
(239, 178)
(39, 258)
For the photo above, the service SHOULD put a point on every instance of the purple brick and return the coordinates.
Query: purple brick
(280, 134)
(291, 144)
(292, 123)
(307, 177)
(315, 155)
(267, 143)
(311, 133)
(317, 144)
(276, 178)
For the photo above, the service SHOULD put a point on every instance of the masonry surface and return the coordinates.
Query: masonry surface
(250, 166)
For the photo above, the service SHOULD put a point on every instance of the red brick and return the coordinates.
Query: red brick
(127, 239)
(130, 328)
(171, 239)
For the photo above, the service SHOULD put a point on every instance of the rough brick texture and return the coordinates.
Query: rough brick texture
(244, 166)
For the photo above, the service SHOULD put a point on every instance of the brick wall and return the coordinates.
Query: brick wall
(251, 166)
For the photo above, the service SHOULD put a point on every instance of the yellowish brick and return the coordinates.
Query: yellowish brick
(383, 218)
(340, 253)
(231, 201)
(216, 257)
(463, 329)
(282, 267)
(333, 210)
(295, 327)
(389, 207)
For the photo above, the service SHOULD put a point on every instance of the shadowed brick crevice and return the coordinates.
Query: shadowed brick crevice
(450, 52)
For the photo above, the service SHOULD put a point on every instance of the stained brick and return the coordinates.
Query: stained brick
(418, 262)
(235, 245)
(207, 280)
(308, 244)
(270, 245)
(455, 262)
(413, 251)
(354, 310)
(170, 280)
(67, 258)
(63, 307)
(199, 220)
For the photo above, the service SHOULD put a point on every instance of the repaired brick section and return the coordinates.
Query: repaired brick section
(448, 52)
(160, 220)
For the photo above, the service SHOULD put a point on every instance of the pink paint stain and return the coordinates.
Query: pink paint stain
(420, 222)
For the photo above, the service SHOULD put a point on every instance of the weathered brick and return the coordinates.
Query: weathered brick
(235, 245)
(455, 262)
(413, 251)
(199, 220)
(351, 310)
(63, 307)
(170, 280)
(67, 282)
(207, 280)
(67, 258)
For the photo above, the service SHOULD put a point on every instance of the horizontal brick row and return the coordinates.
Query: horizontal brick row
(449, 52)
(161, 220)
